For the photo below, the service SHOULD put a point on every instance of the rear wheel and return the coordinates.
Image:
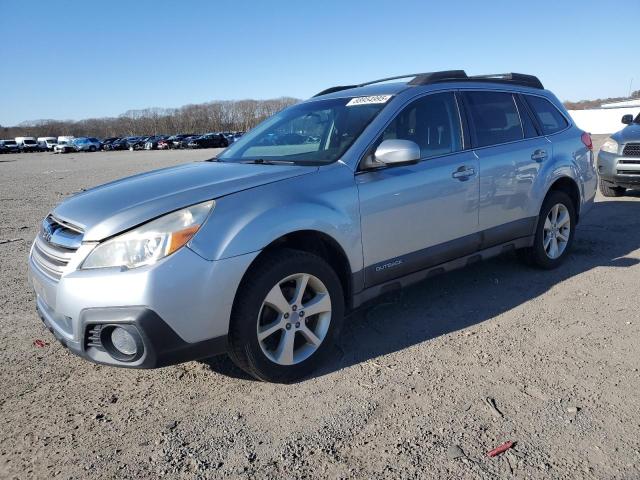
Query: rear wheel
(286, 317)
(554, 232)
(610, 191)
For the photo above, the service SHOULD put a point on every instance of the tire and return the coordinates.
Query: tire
(541, 254)
(611, 191)
(283, 271)
(92, 148)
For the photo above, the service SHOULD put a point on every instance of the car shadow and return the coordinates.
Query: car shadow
(480, 292)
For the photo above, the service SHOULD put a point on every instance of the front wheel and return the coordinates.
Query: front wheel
(608, 190)
(287, 314)
(554, 232)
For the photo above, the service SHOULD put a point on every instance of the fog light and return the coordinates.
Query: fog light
(123, 341)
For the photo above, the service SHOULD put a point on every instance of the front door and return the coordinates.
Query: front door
(420, 215)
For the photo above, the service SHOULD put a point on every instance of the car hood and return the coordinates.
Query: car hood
(628, 134)
(111, 208)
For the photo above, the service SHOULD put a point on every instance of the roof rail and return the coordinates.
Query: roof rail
(335, 89)
(450, 76)
(513, 78)
(435, 77)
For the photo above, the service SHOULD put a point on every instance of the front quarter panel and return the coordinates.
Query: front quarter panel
(248, 221)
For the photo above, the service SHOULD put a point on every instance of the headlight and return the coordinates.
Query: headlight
(150, 242)
(610, 146)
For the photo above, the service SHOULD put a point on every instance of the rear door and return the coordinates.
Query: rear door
(510, 151)
(419, 215)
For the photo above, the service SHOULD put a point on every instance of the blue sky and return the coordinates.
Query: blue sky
(80, 59)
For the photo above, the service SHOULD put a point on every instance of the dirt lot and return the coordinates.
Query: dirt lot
(558, 352)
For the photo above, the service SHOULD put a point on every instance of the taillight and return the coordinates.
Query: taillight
(586, 139)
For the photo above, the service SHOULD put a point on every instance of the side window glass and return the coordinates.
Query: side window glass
(432, 122)
(494, 118)
(550, 119)
(527, 122)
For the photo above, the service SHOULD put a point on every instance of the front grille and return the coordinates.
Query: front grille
(628, 172)
(92, 337)
(54, 247)
(631, 150)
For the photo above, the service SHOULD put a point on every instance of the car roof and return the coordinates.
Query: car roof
(433, 81)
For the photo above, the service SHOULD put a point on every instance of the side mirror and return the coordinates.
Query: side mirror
(394, 152)
(627, 119)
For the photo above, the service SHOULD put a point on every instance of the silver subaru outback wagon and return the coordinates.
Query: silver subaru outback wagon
(359, 190)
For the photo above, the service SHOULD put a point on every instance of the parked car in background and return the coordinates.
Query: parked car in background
(209, 140)
(27, 144)
(9, 146)
(619, 159)
(165, 144)
(64, 146)
(124, 143)
(106, 143)
(47, 143)
(138, 143)
(229, 136)
(86, 144)
(152, 142)
(176, 140)
(184, 143)
(261, 252)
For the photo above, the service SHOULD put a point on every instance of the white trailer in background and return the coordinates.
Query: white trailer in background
(607, 118)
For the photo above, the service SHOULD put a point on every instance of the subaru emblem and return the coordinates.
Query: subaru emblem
(47, 231)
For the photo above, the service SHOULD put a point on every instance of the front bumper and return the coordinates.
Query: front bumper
(162, 346)
(180, 306)
(619, 170)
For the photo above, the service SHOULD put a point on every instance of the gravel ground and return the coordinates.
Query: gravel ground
(405, 395)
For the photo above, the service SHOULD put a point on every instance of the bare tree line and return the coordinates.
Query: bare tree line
(231, 115)
(587, 104)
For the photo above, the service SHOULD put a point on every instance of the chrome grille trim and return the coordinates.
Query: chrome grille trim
(55, 246)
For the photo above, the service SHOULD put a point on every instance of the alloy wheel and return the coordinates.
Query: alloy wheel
(557, 230)
(294, 319)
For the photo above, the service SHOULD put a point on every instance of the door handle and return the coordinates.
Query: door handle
(539, 155)
(463, 173)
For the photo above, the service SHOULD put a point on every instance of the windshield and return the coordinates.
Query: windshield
(309, 133)
(30, 142)
(637, 120)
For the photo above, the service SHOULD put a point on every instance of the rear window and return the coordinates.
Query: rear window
(494, 118)
(549, 118)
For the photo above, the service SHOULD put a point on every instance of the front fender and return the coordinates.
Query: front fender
(248, 221)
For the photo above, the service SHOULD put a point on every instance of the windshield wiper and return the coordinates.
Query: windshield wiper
(262, 161)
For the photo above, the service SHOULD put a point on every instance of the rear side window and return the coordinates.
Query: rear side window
(432, 122)
(549, 118)
(493, 117)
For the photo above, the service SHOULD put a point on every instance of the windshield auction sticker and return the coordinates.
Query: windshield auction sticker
(368, 100)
